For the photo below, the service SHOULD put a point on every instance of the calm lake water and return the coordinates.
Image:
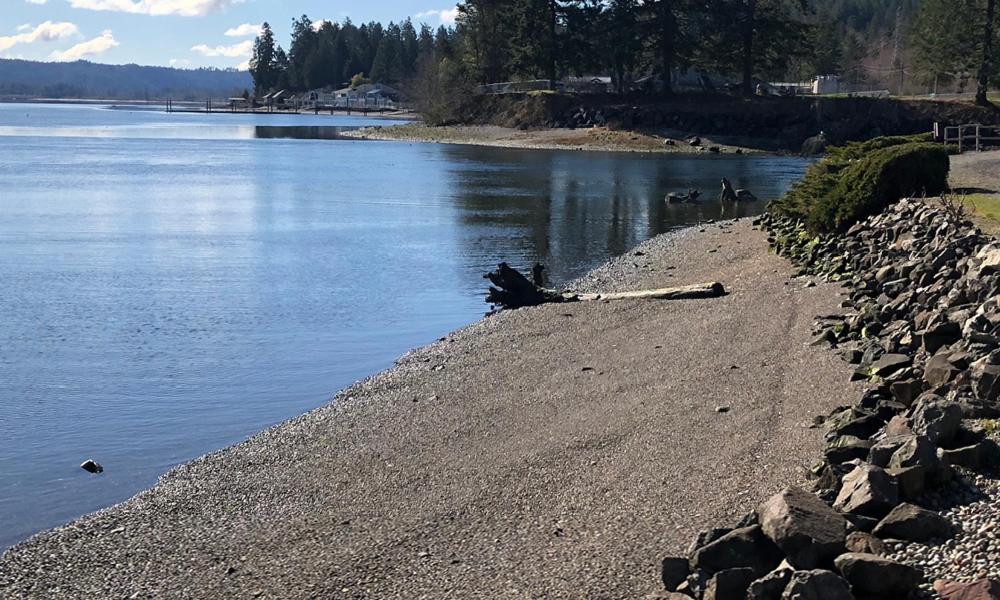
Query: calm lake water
(170, 284)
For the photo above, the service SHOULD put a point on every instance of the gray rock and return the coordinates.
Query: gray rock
(935, 337)
(976, 456)
(730, 584)
(866, 543)
(92, 467)
(940, 370)
(914, 524)
(877, 576)
(770, 586)
(936, 418)
(889, 364)
(817, 585)
(747, 547)
(911, 481)
(881, 453)
(809, 532)
(984, 589)
(985, 379)
(674, 571)
(846, 448)
(868, 490)
(917, 450)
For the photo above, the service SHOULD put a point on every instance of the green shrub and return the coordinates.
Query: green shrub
(863, 178)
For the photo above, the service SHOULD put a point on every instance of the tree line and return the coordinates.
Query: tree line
(950, 41)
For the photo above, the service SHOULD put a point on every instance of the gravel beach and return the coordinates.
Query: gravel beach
(552, 452)
(600, 139)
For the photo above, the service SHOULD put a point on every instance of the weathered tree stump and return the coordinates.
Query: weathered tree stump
(511, 289)
(733, 195)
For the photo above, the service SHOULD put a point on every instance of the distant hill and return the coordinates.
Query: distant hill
(84, 79)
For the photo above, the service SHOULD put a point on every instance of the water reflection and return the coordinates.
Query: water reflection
(172, 283)
(571, 210)
(310, 132)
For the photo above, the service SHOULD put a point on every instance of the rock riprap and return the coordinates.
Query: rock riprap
(904, 498)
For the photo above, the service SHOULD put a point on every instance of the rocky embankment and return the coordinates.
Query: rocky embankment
(905, 498)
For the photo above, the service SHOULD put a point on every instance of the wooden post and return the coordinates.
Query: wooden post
(978, 145)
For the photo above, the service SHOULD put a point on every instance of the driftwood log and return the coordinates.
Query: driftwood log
(511, 289)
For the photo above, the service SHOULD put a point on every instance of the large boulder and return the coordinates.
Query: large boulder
(913, 524)
(868, 490)
(817, 585)
(730, 584)
(876, 576)
(915, 451)
(809, 532)
(936, 418)
(984, 589)
(745, 547)
(940, 370)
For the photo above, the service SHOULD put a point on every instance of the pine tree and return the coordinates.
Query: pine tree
(263, 63)
(940, 57)
(987, 64)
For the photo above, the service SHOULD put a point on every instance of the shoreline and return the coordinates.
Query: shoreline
(396, 471)
(596, 139)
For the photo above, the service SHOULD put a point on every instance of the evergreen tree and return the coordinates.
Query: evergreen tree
(940, 56)
(409, 48)
(387, 66)
(264, 67)
(304, 44)
(755, 38)
(987, 64)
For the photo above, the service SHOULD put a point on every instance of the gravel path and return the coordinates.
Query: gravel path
(552, 452)
(977, 170)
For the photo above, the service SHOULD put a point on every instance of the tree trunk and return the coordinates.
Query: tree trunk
(749, 24)
(668, 37)
(986, 67)
(511, 289)
(553, 51)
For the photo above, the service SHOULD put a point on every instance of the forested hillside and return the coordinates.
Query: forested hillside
(83, 79)
(899, 45)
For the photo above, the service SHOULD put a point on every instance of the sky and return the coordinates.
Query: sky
(180, 33)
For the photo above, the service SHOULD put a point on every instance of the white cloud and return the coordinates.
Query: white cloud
(446, 16)
(244, 30)
(180, 62)
(243, 66)
(36, 1)
(184, 8)
(98, 45)
(46, 32)
(317, 25)
(235, 51)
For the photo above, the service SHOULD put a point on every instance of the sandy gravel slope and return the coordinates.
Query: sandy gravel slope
(555, 452)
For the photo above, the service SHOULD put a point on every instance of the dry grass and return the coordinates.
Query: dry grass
(983, 209)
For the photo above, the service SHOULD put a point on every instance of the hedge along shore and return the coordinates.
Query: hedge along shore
(906, 489)
(547, 452)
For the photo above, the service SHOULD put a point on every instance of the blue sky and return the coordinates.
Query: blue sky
(183, 33)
